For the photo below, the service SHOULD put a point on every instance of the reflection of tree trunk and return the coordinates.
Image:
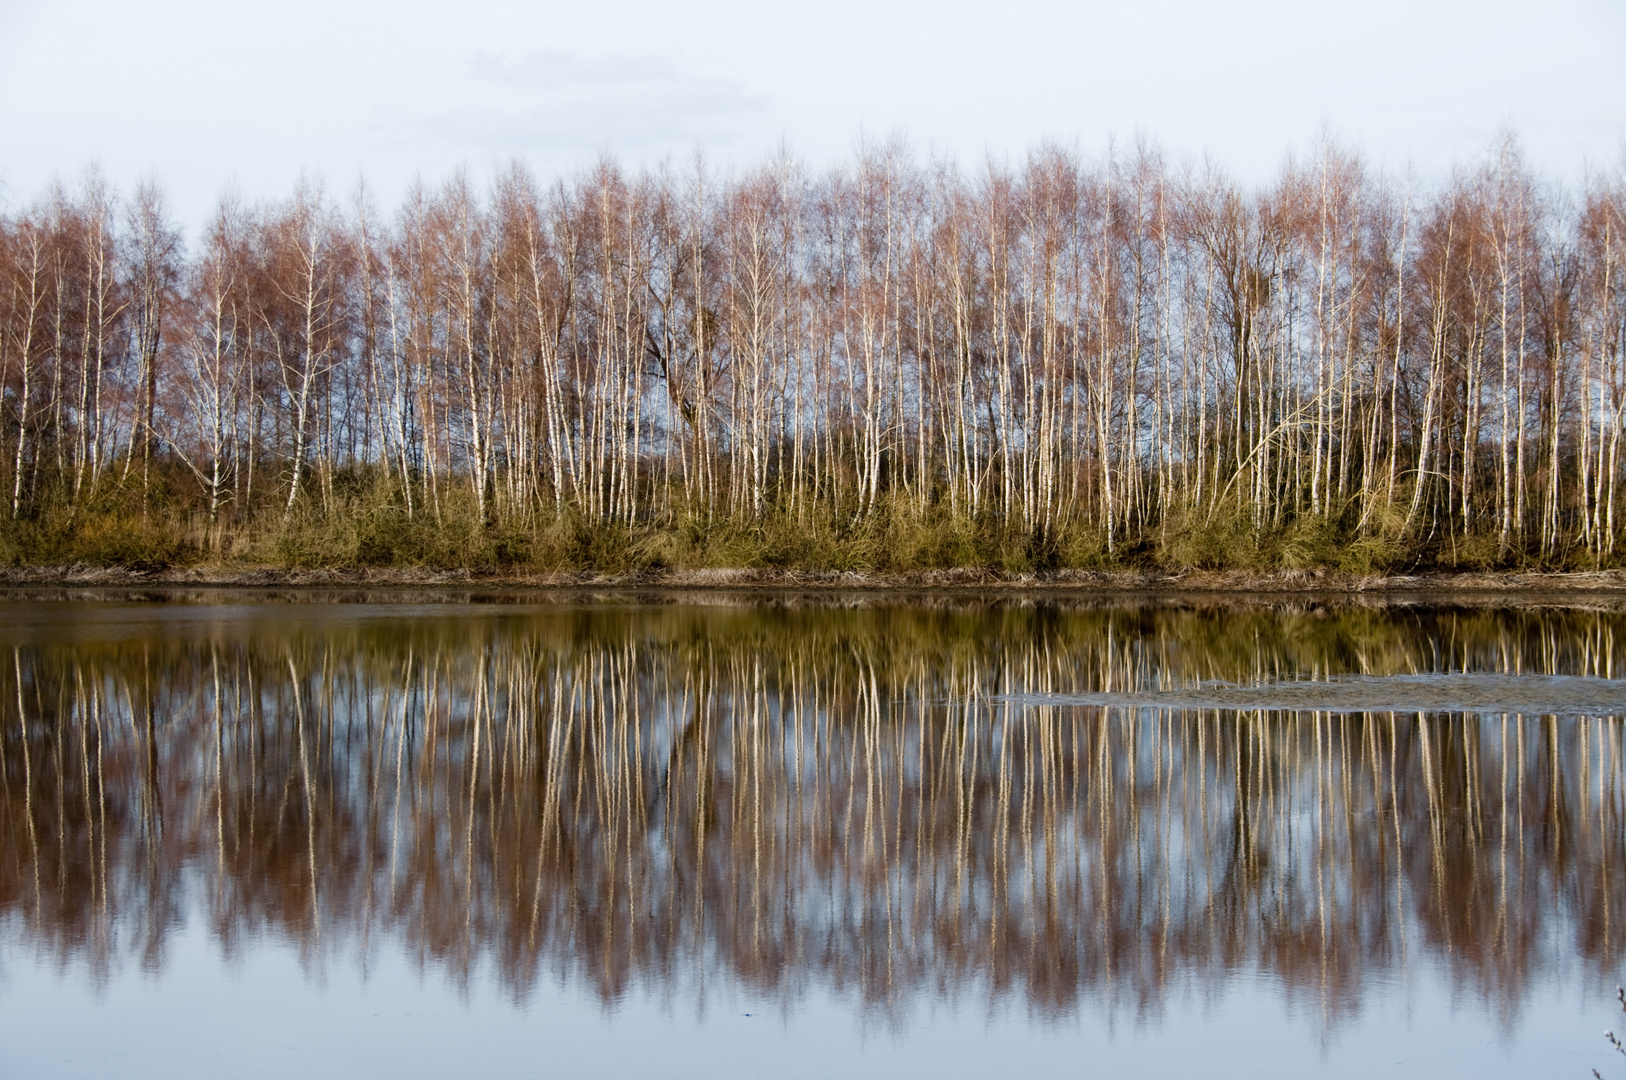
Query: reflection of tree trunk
(1558, 810)
(1241, 870)
(220, 771)
(28, 784)
(294, 681)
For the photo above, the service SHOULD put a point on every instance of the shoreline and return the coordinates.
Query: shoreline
(1067, 582)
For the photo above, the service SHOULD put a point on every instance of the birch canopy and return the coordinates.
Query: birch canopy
(895, 363)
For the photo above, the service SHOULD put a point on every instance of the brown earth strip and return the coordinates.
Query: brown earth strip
(969, 579)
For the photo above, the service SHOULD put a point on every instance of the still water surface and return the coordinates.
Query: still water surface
(713, 836)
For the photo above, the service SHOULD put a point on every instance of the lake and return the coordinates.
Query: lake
(706, 834)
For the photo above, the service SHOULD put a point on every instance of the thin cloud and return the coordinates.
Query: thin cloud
(566, 101)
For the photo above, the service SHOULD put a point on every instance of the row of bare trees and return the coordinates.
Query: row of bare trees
(1113, 347)
(886, 802)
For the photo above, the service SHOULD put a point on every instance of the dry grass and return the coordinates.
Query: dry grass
(360, 523)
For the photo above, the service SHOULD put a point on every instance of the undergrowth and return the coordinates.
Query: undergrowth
(352, 523)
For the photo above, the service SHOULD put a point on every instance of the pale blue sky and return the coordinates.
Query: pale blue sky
(204, 93)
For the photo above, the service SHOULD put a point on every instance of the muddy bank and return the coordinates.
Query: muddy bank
(966, 580)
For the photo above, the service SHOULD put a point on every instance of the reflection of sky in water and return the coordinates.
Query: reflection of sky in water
(265, 1014)
(443, 840)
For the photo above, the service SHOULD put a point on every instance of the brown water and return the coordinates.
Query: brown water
(713, 836)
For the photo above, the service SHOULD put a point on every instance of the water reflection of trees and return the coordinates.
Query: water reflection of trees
(858, 798)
